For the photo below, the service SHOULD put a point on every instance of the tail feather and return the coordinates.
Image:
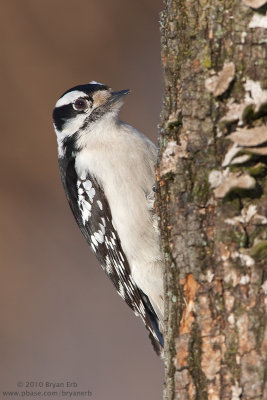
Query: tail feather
(158, 344)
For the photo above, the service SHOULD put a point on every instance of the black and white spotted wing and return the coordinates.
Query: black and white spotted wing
(92, 213)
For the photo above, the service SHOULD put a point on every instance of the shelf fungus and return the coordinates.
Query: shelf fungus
(249, 215)
(226, 181)
(219, 83)
(253, 140)
(255, 94)
(255, 102)
(245, 140)
(258, 21)
(235, 112)
(254, 3)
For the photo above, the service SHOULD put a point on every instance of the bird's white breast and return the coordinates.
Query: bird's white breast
(122, 160)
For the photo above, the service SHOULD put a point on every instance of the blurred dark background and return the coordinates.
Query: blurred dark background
(61, 319)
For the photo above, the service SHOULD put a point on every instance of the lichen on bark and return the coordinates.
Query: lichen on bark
(212, 199)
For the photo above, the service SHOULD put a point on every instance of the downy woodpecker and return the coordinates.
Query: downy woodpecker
(107, 170)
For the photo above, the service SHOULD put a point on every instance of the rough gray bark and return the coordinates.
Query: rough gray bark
(212, 198)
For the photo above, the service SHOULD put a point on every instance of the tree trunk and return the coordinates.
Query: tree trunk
(212, 198)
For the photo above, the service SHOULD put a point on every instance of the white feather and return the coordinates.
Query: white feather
(96, 83)
(122, 160)
(69, 98)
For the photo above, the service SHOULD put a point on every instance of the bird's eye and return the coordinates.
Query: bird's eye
(80, 104)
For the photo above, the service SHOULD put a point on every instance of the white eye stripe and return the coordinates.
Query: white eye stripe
(70, 98)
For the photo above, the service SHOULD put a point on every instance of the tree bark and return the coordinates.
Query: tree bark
(212, 198)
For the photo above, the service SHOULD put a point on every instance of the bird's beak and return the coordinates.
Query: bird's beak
(117, 96)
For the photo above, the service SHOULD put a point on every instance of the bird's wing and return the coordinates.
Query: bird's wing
(92, 213)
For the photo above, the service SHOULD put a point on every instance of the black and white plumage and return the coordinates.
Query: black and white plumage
(107, 170)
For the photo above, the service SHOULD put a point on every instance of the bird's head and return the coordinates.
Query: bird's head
(81, 107)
